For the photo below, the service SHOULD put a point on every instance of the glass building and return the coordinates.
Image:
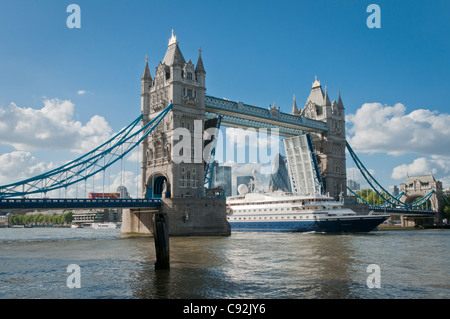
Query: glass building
(279, 179)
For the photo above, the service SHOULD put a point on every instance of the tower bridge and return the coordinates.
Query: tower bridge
(179, 199)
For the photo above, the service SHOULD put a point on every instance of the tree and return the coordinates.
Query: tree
(446, 213)
(68, 217)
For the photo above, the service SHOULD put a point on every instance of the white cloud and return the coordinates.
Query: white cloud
(390, 129)
(51, 128)
(81, 92)
(421, 166)
(19, 165)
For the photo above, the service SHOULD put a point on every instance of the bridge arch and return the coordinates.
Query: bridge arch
(412, 197)
(156, 185)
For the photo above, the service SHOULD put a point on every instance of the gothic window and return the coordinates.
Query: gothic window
(189, 76)
(189, 92)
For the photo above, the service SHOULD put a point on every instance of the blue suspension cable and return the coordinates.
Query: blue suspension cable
(86, 164)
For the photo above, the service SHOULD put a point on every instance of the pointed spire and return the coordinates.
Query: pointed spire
(326, 100)
(316, 83)
(173, 55)
(339, 103)
(294, 107)
(173, 39)
(200, 68)
(316, 95)
(146, 75)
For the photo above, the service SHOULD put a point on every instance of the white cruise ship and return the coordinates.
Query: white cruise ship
(284, 212)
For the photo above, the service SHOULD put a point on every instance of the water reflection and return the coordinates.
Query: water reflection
(251, 265)
(33, 264)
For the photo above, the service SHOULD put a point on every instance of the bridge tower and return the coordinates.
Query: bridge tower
(180, 172)
(330, 145)
(173, 166)
(419, 186)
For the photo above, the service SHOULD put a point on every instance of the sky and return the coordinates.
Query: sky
(65, 90)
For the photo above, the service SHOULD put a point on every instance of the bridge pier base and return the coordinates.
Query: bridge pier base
(161, 237)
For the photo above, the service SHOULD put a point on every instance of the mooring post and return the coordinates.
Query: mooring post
(161, 237)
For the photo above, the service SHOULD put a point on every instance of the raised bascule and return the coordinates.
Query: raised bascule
(177, 197)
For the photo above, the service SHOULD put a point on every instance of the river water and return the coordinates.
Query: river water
(410, 264)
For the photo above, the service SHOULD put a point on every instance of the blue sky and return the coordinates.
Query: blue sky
(258, 52)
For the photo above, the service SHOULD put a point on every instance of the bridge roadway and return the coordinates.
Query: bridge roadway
(401, 210)
(67, 203)
(238, 114)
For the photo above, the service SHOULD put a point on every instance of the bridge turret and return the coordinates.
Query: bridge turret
(200, 75)
(146, 83)
(294, 107)
(339, 103)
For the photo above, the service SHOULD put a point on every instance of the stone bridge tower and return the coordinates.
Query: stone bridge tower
(329, 146)
(183, 84)
(416, 187)
(170, 172)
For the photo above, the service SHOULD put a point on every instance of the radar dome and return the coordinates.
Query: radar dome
(242, 189)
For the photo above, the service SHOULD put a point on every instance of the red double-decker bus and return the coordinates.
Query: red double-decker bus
(104, 195)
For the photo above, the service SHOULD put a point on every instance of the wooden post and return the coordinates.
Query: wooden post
(161, 237)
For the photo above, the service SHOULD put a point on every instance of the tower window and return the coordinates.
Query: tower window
(189, 92)
(189, 75)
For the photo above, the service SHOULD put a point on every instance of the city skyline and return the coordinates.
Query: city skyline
(63, 91)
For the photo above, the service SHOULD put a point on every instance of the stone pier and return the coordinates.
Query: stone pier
(186, 217)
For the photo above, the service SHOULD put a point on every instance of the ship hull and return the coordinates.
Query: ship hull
(356, 224)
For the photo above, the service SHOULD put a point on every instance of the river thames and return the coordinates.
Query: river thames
(411, 264)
